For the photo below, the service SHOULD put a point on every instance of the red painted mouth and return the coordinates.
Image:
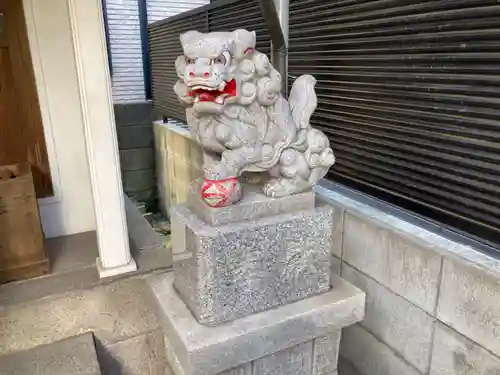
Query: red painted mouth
(217, 96)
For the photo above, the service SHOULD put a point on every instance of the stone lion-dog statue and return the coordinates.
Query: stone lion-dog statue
(236, 112)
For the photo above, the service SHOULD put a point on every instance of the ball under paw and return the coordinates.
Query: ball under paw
(221, 193)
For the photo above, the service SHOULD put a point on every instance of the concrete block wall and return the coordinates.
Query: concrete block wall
(178, 162)
(134, 122)
(433, 304)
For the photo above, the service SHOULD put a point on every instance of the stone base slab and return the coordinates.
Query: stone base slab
(297, 360)
(300, 338)
(230, 271)
(254, 205)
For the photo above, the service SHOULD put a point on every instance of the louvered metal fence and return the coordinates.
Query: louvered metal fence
(164, 44)
(409, 93)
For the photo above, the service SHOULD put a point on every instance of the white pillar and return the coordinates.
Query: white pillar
(100, 132)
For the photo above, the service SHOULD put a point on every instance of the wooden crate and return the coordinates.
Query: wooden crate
(22, 250)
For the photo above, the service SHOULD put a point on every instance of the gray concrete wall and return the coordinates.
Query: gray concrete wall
(134, 125)
(433, 305)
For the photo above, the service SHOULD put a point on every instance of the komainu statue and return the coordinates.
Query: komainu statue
(235, 110)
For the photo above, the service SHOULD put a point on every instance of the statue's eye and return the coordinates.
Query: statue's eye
(219, 60)
(190, 61)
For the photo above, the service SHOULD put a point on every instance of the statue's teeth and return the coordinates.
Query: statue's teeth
(222, 86)
(196, 98)
(220, 99)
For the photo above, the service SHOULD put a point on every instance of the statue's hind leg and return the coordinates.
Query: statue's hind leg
(289, 176)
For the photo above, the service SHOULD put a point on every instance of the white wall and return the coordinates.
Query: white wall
(71, 210)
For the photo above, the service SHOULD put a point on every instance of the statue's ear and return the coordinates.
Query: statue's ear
(244, 41)
(188, 36)
(180, 66)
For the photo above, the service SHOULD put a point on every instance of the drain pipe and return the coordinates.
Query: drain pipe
(276, 16)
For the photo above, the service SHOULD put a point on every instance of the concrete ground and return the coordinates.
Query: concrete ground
(70, 319)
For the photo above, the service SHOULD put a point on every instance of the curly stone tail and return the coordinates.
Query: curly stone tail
(303, 100)
(312, 142)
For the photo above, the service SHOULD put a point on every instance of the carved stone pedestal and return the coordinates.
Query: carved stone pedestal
(300, 338)
(250, 293)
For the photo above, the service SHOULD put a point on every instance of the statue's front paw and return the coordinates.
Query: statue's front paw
(277, 188)
(219, 172)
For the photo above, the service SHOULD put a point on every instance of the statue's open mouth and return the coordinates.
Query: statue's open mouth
(218, 95)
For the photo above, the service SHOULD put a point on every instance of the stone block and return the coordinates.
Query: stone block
(133, 113)
(400, 324)
(469, 303)
(453, 354)
(335, 267)
(75, 355)
(140, 231)
(179, 233)
(240, 370)
(137, 159)
(158, 364)
(12, 294)
(138, 180)
(345, 367)
(254, 205)
(136, 136)
(371, 356)
(129, 357)
(115, 312)
(140, 355)
(338, 223)
(241, 268)
(296, 360)
(146, 196)
(325, 353)
(401, 264)
(196, 349)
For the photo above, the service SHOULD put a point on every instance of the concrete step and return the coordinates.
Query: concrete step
(73, 356)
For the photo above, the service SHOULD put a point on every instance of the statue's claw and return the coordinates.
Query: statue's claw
(281, 187)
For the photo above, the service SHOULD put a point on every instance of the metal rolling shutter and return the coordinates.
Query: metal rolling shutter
(161, 9)
(242, 15)
(164, 44)
(126, 50)
(409, 93)
(164, 47)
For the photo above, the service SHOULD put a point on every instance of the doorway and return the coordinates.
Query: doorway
(21, 129)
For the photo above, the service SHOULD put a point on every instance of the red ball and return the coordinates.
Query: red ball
(221, 193)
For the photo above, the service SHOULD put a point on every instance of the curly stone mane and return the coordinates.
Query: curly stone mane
(260, 81)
